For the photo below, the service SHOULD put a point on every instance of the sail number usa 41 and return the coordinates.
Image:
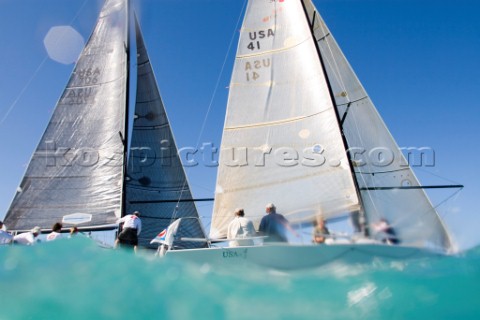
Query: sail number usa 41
(255, 44)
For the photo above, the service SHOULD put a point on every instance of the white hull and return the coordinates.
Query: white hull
(297, 257)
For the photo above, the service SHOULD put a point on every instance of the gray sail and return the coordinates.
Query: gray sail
(75, 174)
(379, 161)
(281, 142)
(156, 182)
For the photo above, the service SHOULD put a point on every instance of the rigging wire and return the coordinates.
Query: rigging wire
(25, 87)
(204, 123)
(455, 194)
(37, 70)
(437, 175)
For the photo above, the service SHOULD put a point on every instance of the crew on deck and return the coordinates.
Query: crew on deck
(28, 238)
(56, 232)
(132, 226)
(240, 227)
(385, 232)
(274, 225)
(320, 231)
(5, 237)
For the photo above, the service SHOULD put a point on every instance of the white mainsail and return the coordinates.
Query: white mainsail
(381, 163)
(281, 141)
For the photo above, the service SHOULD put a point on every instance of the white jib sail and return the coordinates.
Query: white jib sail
(380, 162)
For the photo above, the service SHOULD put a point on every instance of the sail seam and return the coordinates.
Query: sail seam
(154, 189)
(167, 201)
(274, 123)
(158, 126)
(322, 38)
(148, 101)
(99, 84)
(246, 56)
(51, 153)
(65, 177)
(173, 156)
(263, 185)
(141, 64)
(77, 206)
(410, 187)
(354, 101)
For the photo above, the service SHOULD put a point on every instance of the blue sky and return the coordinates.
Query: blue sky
(418, 60)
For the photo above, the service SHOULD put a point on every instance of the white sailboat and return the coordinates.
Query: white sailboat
(301, 131)
(78, 174)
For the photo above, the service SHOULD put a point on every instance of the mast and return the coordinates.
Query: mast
(127, 108)
(362, 217)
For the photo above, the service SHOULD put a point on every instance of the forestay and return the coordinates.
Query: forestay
(156, 182)
(281, 141)
(380, 162)
(78, 165)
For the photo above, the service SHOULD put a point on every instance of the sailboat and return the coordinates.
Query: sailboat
(301, 132)
(79, 174)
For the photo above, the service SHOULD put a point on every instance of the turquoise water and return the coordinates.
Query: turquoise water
(76, 279)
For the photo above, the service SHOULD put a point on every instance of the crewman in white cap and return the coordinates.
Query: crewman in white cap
(28, 238)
